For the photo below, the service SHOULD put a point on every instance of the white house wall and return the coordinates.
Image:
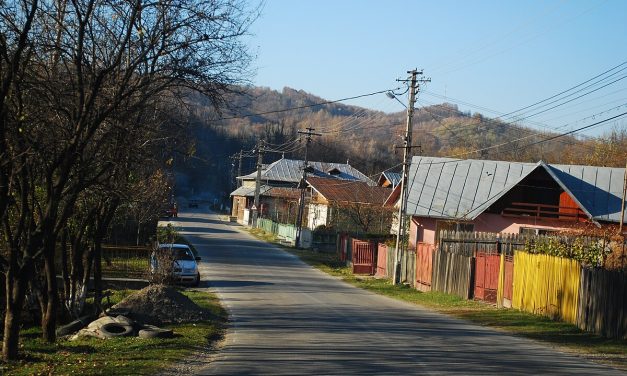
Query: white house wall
(318, 215)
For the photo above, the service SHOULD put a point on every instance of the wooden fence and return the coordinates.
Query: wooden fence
(286, 232)
(506, 281)
(603, 302)
(452, 273)
(546, 285)
(471, 243)
(424, 266)
(408, 266)
(385, 261)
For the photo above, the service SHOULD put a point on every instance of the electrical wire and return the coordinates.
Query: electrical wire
(304, 106)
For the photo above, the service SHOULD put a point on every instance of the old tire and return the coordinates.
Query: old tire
(150, 331)
(112, 330)
(74, 326)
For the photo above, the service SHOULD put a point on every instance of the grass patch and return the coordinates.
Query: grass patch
(126, 267)
(119, 356)
(565, 335)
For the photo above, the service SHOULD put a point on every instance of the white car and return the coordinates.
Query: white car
(185, 267)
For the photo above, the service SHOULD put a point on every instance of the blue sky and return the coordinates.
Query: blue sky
(483, 56)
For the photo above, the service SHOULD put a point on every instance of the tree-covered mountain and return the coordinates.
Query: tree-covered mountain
(365, 138)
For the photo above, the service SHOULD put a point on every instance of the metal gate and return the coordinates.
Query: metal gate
(364, 257)
(424, 266)
(486, 276)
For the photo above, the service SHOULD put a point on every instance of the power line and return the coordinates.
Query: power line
(543, 140)
(569, 89)
(304, 106)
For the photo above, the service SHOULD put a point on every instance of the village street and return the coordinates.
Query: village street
(288, 318)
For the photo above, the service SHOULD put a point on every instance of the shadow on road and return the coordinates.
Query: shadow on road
(227, 284)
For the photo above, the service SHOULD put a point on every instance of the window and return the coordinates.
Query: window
(536, 231)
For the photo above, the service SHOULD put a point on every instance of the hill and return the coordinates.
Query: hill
(368, 139)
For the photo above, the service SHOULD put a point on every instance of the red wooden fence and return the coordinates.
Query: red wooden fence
(363, 257)
(424, 266)
(486, 276)
(382, 261)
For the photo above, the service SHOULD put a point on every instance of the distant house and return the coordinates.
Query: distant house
(389, 179)
(348, 205)
(281, 204)
(508, 197)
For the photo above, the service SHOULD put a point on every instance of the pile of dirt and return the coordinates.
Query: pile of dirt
(160, 304)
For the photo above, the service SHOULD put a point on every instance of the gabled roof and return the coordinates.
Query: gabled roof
(392, 177)
(335, 190)
(291, 170)
(268, 191)
(462, 189)
(249, 191)
(597, 190)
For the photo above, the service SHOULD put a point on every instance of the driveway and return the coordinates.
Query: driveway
(287, 318)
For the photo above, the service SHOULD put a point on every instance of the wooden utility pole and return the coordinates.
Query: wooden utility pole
(622, 205)
(255, 208)
(239, 168)
(303, 185)
(400, 234)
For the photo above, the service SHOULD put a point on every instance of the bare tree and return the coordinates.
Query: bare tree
(93, 69)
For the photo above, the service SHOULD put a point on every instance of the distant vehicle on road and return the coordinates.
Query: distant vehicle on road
(184, 263)
(193, 203)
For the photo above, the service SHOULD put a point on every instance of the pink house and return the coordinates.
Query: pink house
(508, 197)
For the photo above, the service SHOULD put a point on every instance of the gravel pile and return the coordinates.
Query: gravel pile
(160, 304)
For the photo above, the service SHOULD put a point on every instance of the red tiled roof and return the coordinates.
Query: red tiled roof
(349, 191)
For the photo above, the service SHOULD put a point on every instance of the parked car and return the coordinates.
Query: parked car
(184, 263)
(193, 203)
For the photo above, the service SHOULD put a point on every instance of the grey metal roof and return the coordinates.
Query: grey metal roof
(249, 191)
(462, 189)
(598, 190)
(291, 170)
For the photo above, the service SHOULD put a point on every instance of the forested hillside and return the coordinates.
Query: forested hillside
(368, 139)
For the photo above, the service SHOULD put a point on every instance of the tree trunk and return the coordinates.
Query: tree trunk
(15, 294)
(97, 273)
(49, 319)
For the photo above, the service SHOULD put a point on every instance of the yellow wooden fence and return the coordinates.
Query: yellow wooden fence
(546, 285)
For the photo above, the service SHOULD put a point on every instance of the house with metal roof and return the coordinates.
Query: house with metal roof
(348, 205)
(286, 174)
(509, 197)
(389, 179)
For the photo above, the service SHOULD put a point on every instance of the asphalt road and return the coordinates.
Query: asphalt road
(287, 318)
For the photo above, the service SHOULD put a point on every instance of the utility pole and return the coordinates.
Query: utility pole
(239, 168)
(255, 207)
(400, 234)
(622, 205)
(303, 184)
